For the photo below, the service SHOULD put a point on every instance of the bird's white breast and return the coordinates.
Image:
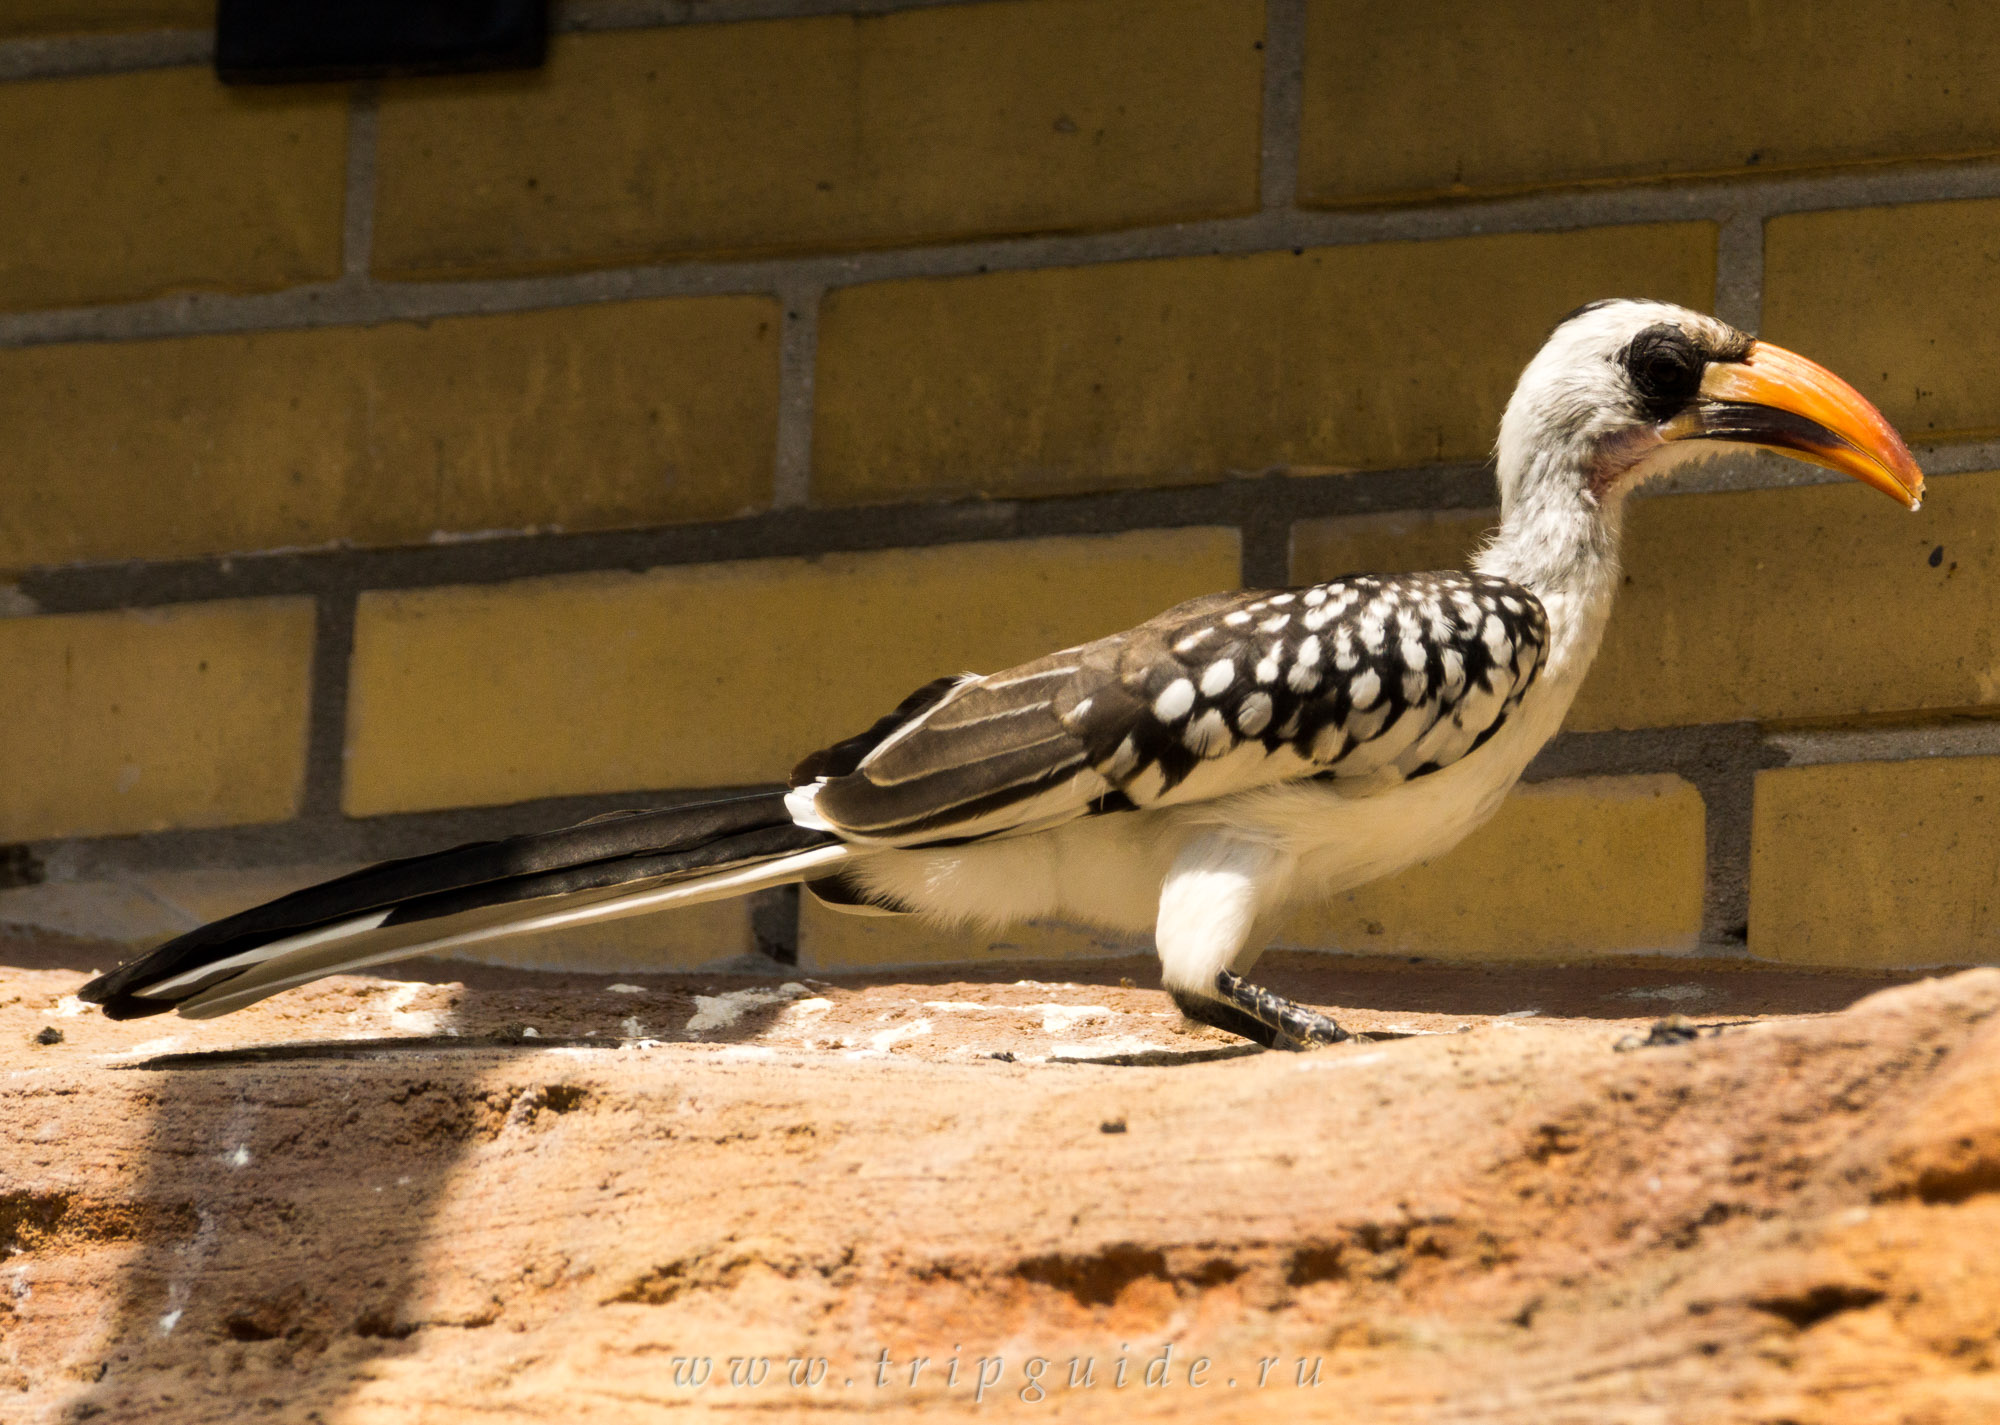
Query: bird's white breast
(1108, 870)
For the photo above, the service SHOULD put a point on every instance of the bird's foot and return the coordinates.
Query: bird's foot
(1284, 1025)
(1231, 1020)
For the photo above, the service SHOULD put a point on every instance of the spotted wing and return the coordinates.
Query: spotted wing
(1391, 676)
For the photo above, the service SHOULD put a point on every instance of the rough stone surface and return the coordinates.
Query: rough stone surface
(406, 1209)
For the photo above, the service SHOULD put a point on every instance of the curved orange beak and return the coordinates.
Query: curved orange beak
(1779, 400)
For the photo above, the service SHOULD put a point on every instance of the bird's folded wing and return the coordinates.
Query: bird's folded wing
(1369, 675)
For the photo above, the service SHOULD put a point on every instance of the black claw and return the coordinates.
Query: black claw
(1304, 1027)
(1231, 1020)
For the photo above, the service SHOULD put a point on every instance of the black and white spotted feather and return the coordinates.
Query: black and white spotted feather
(1387, 676)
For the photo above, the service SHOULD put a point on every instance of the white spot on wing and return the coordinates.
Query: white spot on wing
(1175, 701)
(1215, 682)
(1365, 689)
(1454, 672)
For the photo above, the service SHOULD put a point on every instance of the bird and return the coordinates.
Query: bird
(1196, 776)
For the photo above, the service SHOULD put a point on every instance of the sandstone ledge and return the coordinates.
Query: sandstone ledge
(405, 1210)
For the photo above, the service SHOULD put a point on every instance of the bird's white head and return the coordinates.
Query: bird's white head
(1624, 390)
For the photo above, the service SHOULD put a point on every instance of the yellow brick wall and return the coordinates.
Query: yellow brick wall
(1464, 97)
(1878, 863)
(1898, 298)
(572, 419)
(604, 682)
(1133, 374)
(155, 718)
(133, 185)
(376, 458)
(791, 135)
(23, 18)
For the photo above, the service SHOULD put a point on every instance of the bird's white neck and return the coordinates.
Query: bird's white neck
(1562, 547)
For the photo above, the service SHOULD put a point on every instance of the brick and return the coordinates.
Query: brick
(1466, 98)
(1193, 369)
(827, 133)
(715, 675)
(1895, 299)
(132, 185)
(24, 18)
(1818, 602)
(139, 721)
(1876, 863)
(833, 942)
(595, 417)
(1587, 866)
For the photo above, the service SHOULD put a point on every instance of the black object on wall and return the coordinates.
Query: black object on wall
(284, 41)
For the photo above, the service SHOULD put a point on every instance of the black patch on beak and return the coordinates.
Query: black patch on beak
(1751, 424)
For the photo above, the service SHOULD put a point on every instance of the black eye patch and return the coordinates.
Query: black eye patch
(1665, 366)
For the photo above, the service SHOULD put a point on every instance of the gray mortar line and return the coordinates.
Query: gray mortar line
(798, 355)
(1264, 525)
(592, 15)
(329, 304)
(1721, 760)
(326, 721)
(1739, 271)
(1284, 102)
(1958, 737)
(73, 56)
(1276, 499)
(357, 233)
(1265, 508)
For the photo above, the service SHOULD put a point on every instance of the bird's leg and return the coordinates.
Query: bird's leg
(1208, 912)
(1308, 1028)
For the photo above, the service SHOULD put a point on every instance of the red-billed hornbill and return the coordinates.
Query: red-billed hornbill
(1195, 775)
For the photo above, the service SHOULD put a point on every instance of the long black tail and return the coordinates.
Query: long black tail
(625, 863)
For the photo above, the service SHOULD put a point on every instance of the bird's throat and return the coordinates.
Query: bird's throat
(1561, 545)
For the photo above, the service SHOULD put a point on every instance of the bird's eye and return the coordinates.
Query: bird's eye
(1665, 367)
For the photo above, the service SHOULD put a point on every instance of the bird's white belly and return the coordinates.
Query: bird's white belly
(1109, 870)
